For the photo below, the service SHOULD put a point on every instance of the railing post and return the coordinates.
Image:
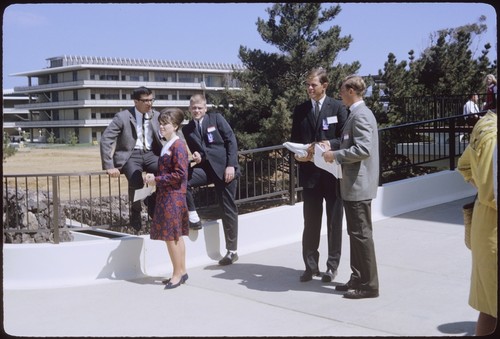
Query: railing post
(55, 202)
(451, 144)
(292, 181)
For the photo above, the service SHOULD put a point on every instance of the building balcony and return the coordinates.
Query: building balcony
(70, 85)
(57, 123)
(69, 104)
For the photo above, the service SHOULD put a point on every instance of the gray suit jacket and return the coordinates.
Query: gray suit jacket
(119, 138)
(357, 152)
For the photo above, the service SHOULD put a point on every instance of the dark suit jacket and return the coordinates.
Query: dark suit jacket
(305, 130)
(119, 138)
(218, 147)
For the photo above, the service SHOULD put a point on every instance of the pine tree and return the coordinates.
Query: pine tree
(273, 83)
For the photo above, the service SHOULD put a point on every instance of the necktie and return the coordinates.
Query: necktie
(144, 145)
(200, 130)
(316, 110)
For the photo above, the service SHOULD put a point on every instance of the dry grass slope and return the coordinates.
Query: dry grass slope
(56, 159)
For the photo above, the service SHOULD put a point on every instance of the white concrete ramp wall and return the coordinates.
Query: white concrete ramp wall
(28, 266)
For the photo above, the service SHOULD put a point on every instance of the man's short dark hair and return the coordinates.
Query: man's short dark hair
(138, 92)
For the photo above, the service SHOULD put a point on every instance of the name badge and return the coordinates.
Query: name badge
(325, 124)
(211, 129)
(332, 120)
(210, 137)
(345, 137)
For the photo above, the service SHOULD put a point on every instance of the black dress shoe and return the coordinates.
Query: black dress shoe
(308, 275)
(136, 222)
(230, 258)
(195, 225)
(329, 276)
(345, 287)
(361, 294)
(170, 286)
(183, 279)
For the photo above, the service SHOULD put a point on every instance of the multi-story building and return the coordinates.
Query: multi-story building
(11, 115)
(78, 95)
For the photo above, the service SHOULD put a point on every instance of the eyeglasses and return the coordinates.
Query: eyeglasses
(147, 100)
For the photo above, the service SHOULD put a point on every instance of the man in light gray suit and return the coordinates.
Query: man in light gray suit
(130, 145)
(357, 153)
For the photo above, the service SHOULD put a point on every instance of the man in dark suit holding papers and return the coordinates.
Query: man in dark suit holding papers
(318, 119)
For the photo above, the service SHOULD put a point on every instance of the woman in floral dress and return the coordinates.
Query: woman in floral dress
(170, 221)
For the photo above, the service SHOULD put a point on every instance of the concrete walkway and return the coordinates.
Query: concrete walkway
(424, 270)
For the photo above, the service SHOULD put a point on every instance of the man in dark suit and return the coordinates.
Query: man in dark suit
(213, 145)
(318, 119)
(130, 145)
(357, 152)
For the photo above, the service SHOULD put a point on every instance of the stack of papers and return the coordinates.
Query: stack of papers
(301, 150)
(143, 193)
(332, 167)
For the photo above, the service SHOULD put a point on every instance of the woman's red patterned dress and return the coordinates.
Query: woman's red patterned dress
(170, 220)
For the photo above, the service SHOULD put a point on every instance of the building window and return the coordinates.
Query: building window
(185, 95)
(164, 76)
(214, 81)
(136, 76)
(165, 95)
(108, 77)
(110, 96)
(104, 113)
(56, 63)
(188, 77)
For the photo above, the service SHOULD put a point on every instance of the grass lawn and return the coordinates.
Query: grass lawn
(53, 159)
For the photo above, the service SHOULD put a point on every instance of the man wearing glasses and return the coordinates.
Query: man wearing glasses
(130, 145)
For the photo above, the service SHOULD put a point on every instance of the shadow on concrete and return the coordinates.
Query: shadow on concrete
(465, 328)
(124, 261)
(271, 278)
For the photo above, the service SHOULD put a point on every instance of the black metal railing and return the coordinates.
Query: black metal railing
(42, 206)
(431, 107)
(423, 147)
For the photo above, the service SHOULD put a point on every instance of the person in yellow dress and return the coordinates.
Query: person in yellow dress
(476, 166)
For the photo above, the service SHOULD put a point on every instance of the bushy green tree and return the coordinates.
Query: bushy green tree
(273, 82)
(449, 66)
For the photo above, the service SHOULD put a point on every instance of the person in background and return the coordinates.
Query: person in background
(491, 92)
(215, 152)
(130, 145)
(476, 166)
(471, 107)
(170, 221)
(357, 152)
(319, 118)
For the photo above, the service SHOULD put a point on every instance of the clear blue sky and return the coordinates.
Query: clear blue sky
(214, 32)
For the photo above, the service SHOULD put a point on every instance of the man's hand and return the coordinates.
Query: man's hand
(150, 179)
(325, 145)
(113, 172)
(197, 157)
(328, 156)
(308, 157)
(229, 174)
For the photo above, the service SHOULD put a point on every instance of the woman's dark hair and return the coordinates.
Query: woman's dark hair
(175, 116)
